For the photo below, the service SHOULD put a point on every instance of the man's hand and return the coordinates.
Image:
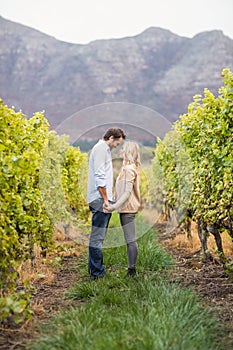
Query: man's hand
(107, 208)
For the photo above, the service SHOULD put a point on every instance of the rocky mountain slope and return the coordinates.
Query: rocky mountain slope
(156, 69)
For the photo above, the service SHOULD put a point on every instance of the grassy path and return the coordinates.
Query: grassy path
(145, 312)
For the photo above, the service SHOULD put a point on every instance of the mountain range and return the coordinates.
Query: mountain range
(156, 69)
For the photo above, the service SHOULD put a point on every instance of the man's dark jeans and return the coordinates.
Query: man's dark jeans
(100, 222)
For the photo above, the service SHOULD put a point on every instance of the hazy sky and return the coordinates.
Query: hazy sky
(82, 21)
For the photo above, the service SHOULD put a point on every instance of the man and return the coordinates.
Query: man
(100, 193)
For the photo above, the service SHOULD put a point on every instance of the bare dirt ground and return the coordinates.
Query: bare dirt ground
(209, 280)
(48, 298)
(213, 285)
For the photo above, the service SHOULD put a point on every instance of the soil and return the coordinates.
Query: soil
(47, 300)
(208, 279)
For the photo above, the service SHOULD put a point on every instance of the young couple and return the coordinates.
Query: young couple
(101, 201)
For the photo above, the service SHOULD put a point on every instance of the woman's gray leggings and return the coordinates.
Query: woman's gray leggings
(129, 228)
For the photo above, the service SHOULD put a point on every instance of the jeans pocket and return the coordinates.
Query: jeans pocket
(96, 205)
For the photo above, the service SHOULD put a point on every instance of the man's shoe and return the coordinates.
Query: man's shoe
(94, 278)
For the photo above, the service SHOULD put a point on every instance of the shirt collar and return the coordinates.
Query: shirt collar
(103, 142)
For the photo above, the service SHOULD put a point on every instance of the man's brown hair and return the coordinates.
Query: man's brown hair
(117, 133)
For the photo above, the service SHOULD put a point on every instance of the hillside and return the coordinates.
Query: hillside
(156, 69)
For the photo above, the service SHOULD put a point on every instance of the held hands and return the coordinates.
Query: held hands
(107, 208)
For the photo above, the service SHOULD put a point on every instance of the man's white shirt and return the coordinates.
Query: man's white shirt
(100, 171)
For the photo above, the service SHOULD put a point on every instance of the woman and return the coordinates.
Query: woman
(128, 199)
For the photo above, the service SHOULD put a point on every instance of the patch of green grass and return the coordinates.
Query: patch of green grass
(139, 313)
(151, 256)
(132, 314)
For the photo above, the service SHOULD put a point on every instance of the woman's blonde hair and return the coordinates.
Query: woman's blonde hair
(132, 154)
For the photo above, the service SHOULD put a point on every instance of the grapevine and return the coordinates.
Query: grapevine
(25, 218)
(205, 132)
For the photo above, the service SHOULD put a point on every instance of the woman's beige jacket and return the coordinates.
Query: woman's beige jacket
(128, 181)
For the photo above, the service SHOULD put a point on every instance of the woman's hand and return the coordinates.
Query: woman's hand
(107, 208)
